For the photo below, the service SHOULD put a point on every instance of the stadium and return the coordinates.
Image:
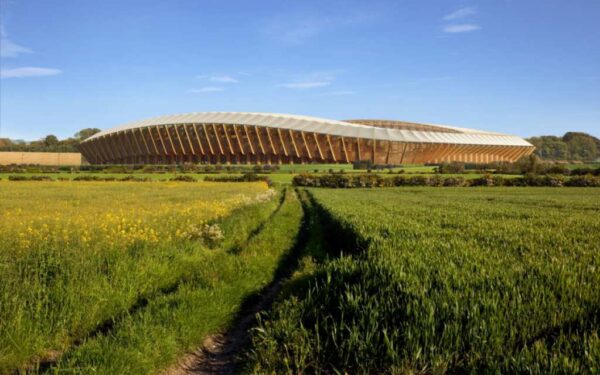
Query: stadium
(268, 138)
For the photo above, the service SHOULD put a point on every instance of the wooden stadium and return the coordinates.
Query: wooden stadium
(266, 138)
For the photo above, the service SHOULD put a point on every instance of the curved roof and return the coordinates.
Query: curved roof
(325, 126)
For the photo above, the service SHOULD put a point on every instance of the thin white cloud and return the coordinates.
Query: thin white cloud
(293, 29)
(10, 49)
(205, 89)
(312, 80)
(460, 13)
(306, 85)
(461, 28)
(339, 93)
(218, 78)
(28, 71)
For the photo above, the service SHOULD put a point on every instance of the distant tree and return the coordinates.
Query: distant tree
(573, 145)
(581, 146)
(529, 164)
(86, 133)
(50, 140)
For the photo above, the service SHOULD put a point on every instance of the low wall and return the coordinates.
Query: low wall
(42, 158)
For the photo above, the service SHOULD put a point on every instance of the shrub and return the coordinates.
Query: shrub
(29, 178)
(246, 177)
(584, 181)
(454, 181)
(451, 168)
(133, 178)
(183, 179)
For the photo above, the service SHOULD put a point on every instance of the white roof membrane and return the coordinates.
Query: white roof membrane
(324, 126)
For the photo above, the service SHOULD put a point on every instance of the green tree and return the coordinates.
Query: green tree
(50, 140)
(582, 147)
(86, 133)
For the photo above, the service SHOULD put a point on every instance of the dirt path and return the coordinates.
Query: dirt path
(218, 353)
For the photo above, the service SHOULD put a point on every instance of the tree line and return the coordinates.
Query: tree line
(571, 146)
(49, 143)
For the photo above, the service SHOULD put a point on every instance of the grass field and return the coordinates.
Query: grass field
(128, 277)
(75, 258)
(492, 280)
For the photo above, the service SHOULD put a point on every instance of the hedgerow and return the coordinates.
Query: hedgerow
(374, 180)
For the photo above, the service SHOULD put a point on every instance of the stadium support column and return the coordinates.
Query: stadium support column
(145, 145)
(273, 150)
(210, 147)
(221, 151)
(187, 135)
(231, 152)
(157, 153)
(239, 142)
(260, 143)
(249, 141)
(104, 141)
(291, 133)
(198, 140)
(328, 137)
(306, 145)
(164, 146)
(318, 146)
(344, 149)
(282, 143)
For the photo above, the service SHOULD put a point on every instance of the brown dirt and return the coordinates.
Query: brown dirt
(218, 353)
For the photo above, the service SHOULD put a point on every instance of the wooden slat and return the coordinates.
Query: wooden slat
(239, 140)
(282, 142)
(198, 139)
(249, 140)
(262, 148)
(137, 145)
(271, 141)
(145, 143)
(162, 141)
(214, 127)
(294, 143)
(228, 139)
(170, 138)
(118, 146)
(306, 144)
(179, 140)
(344, 149)
(318, 146)
(403, 152)
(331, 148)
(187, 134)
(210, 147)
(107, 148)
(387, 156)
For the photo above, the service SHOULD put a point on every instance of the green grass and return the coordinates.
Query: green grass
(205, 303)
(490, 280)
(89, 253)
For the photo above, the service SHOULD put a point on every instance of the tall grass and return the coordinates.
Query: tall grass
(72, 258)
(205, 303)
(486, 281)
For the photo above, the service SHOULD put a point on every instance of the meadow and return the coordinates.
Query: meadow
(77, 260)
(430, 280)
(130, 277)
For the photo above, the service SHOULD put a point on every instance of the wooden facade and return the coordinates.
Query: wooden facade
(213, 143)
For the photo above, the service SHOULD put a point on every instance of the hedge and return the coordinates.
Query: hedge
(373, 180)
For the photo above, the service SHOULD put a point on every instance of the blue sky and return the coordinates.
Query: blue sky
(521, 67)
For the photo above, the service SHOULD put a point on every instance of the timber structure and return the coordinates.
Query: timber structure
(268, 138)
